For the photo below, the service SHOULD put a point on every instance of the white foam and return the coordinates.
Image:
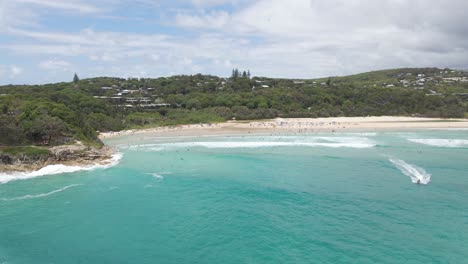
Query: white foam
(332, 142)
(448, 143)
(451, 129)
(159, 176)
(417, 174)
(30, 196)
(58, 169)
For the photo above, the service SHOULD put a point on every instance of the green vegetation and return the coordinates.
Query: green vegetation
(25, 151)
(59, 113)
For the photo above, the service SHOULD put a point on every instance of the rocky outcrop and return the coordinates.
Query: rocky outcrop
(76, 154)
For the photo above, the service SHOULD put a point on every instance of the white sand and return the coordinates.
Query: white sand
(300, 125)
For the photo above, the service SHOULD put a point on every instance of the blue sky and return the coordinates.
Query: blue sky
(45, 41)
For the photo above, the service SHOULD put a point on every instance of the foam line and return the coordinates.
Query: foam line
(332, 142)
(30, 196)
(58, 169)
(436, 142)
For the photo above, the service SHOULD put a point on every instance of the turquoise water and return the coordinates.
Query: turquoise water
(323, 198)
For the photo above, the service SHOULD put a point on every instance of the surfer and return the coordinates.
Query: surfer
(418, 182)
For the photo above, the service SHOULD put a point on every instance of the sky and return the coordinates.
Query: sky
(43, 41)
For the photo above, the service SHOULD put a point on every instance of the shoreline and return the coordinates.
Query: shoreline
(77, 157)
(73, 156)
(297, 125)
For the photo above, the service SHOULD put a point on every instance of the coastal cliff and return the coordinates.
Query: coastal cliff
(26, 159)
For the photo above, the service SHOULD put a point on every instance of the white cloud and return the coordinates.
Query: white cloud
(300, 38)
(10, 71)
(315, 37)
(15, 70)
(215, 20)
(69, 5)
(207, 3)
(55, 65)
(12, 15)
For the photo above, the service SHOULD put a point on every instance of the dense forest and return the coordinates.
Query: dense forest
(58, 113)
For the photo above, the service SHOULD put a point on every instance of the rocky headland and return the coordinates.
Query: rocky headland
(26, 159)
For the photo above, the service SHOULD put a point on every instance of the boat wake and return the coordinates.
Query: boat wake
(58, 169)
(417, 174)
(30, 196)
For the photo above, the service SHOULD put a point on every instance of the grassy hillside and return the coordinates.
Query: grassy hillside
(58, 113)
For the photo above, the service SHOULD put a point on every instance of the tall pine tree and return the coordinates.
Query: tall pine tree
(75, 78)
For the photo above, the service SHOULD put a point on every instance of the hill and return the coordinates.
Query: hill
(61, 113)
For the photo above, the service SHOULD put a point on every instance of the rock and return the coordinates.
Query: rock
(76, 154)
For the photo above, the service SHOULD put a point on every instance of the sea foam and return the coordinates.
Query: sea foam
(332, 142)
(58, 169)
(30, 196)
(159, 176)
(414, 172)
(447, 143)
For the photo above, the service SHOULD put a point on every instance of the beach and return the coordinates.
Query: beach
(299, 125)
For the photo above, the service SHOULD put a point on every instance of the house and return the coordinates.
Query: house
(265, 86)
(433, 93)
(131, 100)
(455, 79)
(106, 88)
(117, 98)
(298, 82)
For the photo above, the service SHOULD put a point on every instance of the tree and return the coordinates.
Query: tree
(244, 74)
(47, 129)
(10, 132)
(235, 73)
(75, 78)
(248, 74)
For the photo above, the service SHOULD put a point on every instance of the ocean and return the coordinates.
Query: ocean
(383, 197)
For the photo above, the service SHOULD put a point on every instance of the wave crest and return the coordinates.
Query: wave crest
(58, 169)
(332, 142)
(30, 196)
(436, 142)
(417, 174)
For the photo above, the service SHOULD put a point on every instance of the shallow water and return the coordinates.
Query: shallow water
(322, 198)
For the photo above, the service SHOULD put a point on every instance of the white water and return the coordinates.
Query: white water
(448, 143)
(332, 142)
(58, 169)
(30, 196)
(414, 172)
(158, 176)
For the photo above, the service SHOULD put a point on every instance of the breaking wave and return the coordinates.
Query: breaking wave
(159, 176)
(417, 174)
(447, 143)
(30, 196)
(58, 169)
(332, 142)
